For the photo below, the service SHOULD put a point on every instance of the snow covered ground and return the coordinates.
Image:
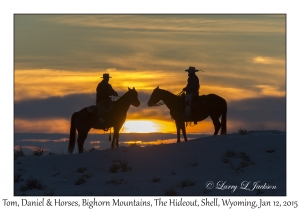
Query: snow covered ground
(231, 165)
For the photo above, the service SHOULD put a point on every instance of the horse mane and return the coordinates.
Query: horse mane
(121, 98)
(170, 98)
(167, 92)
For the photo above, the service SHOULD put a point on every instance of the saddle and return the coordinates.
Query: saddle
(92, 109)
(105, 107)
(197, 103)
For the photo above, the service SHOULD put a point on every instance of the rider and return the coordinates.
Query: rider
(192, 89)
(104, 91)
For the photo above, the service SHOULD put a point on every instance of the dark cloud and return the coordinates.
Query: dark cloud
(53, 107)
(64, 107)
(249, 112)
(258, 110)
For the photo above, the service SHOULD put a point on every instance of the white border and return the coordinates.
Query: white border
(9, 8)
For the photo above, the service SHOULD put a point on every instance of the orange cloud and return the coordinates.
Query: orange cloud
(268, 60)
(268, 90)
(32, 148)
(43, 126)
(63, 126)
(45, 140)
(45, 83)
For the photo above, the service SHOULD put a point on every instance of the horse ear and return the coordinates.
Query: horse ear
(157, 87)
(133, 88)
(128, 88)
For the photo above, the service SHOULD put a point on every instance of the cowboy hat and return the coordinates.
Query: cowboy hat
(191, 68)
(105, 76)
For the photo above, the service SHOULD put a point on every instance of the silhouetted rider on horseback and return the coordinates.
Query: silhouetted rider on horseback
(191, 89)
(104, 91)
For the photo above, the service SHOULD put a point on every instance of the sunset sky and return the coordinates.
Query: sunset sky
(59, 61)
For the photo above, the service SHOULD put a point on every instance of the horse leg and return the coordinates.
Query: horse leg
(72, 138)
(223, 120)
(183, 131)
(217, 124)
(113, 141)
(115, 138)
(80, 140)
(178, 131)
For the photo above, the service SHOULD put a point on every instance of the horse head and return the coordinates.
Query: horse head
(133, 95)
(154, 98)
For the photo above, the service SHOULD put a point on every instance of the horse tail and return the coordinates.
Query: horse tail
(223, 119)
(72, 134)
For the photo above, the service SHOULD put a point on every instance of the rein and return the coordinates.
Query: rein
(159, 104)
(163, 103)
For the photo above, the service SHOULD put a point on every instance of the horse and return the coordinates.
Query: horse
(207, 105)
(84, 120)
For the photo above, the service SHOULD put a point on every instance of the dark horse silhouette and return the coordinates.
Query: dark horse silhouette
(208, 105)
(84, 120)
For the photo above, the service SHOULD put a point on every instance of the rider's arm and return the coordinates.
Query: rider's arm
(113, 92)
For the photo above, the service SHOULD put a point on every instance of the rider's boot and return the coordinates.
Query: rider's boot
(193, 116)
(100, 114)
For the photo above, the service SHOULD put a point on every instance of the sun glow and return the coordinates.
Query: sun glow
(140, 126)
